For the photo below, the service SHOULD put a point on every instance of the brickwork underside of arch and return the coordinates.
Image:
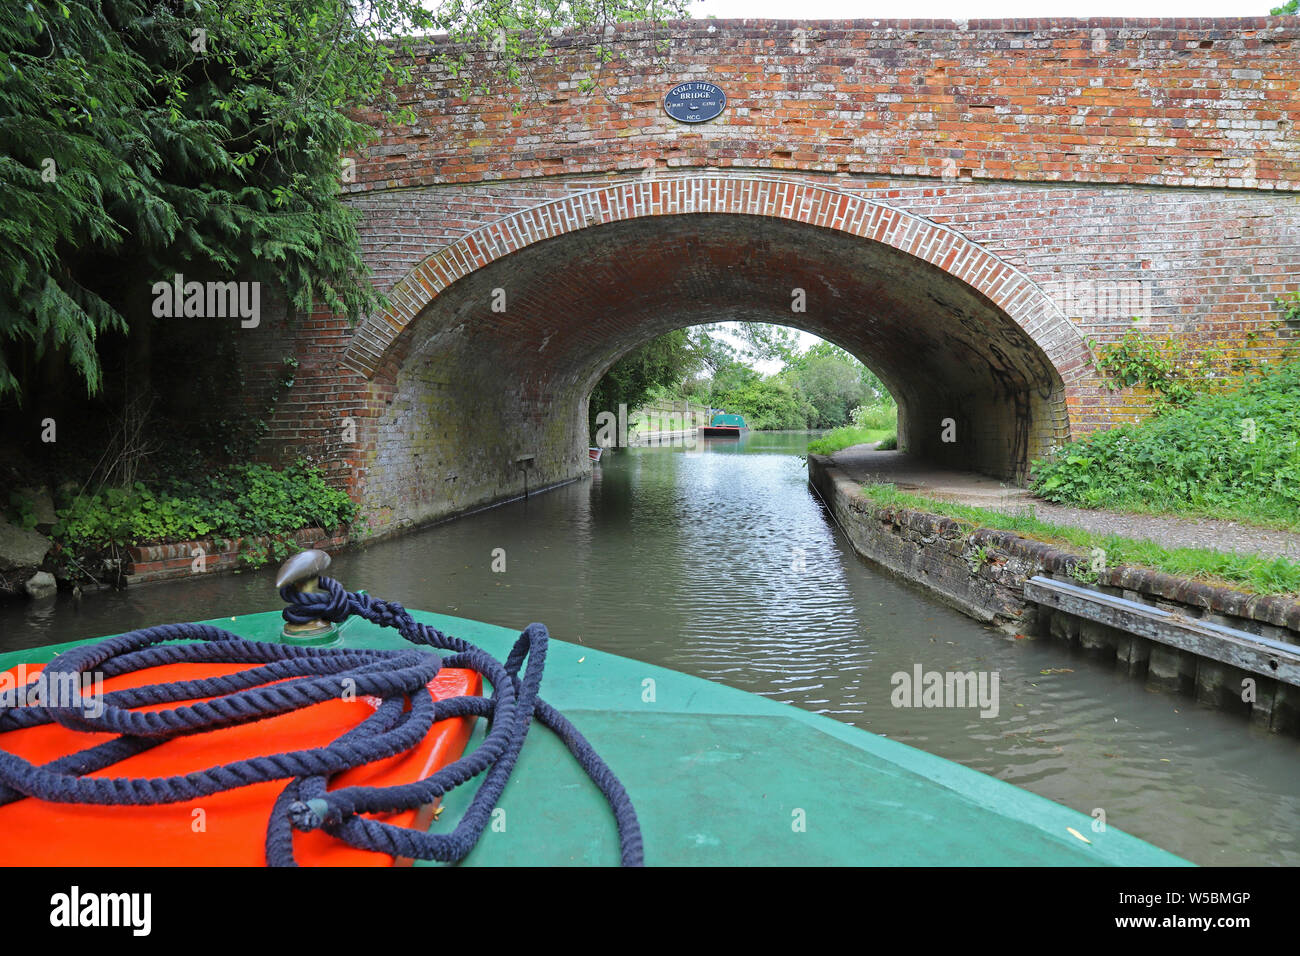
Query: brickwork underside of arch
(464, 393)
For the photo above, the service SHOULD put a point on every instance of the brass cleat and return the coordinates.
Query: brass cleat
(301, 573)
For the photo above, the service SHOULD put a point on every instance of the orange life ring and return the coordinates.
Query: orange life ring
(224, 829)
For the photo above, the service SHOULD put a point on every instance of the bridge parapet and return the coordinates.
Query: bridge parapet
(1211, 103)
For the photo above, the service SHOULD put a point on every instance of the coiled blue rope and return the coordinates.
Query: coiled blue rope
(306, 676)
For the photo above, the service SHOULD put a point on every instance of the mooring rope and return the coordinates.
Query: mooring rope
(307, 676)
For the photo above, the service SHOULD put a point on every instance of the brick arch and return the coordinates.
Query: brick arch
(1001, 283)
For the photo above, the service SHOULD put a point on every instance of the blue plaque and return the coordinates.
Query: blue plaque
(694, 102)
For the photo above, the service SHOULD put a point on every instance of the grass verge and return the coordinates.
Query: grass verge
(1250, 572)
(840, 438)
(1229, 454)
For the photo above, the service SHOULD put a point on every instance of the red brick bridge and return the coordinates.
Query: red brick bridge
(962, 204)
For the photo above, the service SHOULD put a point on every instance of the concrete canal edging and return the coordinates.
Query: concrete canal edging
(1229, 649)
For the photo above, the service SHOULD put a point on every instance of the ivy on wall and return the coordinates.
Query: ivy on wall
(1176, 370)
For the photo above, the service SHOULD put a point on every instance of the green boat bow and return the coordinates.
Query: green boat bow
(721, 777)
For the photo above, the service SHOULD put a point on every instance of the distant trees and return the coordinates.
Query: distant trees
(815, 388)
(834, 383)
(1287, 8)
(766, 402)
(663, 362)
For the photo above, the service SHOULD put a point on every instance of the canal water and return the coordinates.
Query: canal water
(720, 561)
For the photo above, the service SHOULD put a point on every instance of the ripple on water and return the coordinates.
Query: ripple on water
(722, 564)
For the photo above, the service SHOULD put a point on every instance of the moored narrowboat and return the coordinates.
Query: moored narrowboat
(724, 426)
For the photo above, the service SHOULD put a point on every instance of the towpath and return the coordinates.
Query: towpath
(864, 463)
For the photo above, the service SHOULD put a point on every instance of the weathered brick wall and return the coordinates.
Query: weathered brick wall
(1206, 265)
(317, 417)
(1186, 102)
(163, 562)
(1019, 187)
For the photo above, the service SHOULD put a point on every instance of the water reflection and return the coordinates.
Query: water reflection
(719, 561)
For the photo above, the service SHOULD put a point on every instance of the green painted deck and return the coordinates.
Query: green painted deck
(731, 421)
(721, 777)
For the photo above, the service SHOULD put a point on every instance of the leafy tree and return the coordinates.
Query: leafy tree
(833, 387)
(817, 388)
(670, 364)
(768, 342)
(663, 361)
(1287, 8)
(769, 403)
(713, 351)
(144, 138)
(874, 388)
(730, 378)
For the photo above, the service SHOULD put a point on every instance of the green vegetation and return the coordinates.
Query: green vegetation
(644, 373)
(1258, 574)
(1226, 455)
(1290, 303)
(767, 402)
(148, 139)
(845, 437)
(1287, 8)
(144, 138)
(815, 388)
(881, 415)
(243, 501)
(1164, 366)
(1172, 368)
(658, 422)
(141, 140)
(871, 423)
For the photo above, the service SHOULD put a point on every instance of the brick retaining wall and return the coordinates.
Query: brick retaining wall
(162, 562)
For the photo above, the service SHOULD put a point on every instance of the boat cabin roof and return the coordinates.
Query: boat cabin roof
(737, 421)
